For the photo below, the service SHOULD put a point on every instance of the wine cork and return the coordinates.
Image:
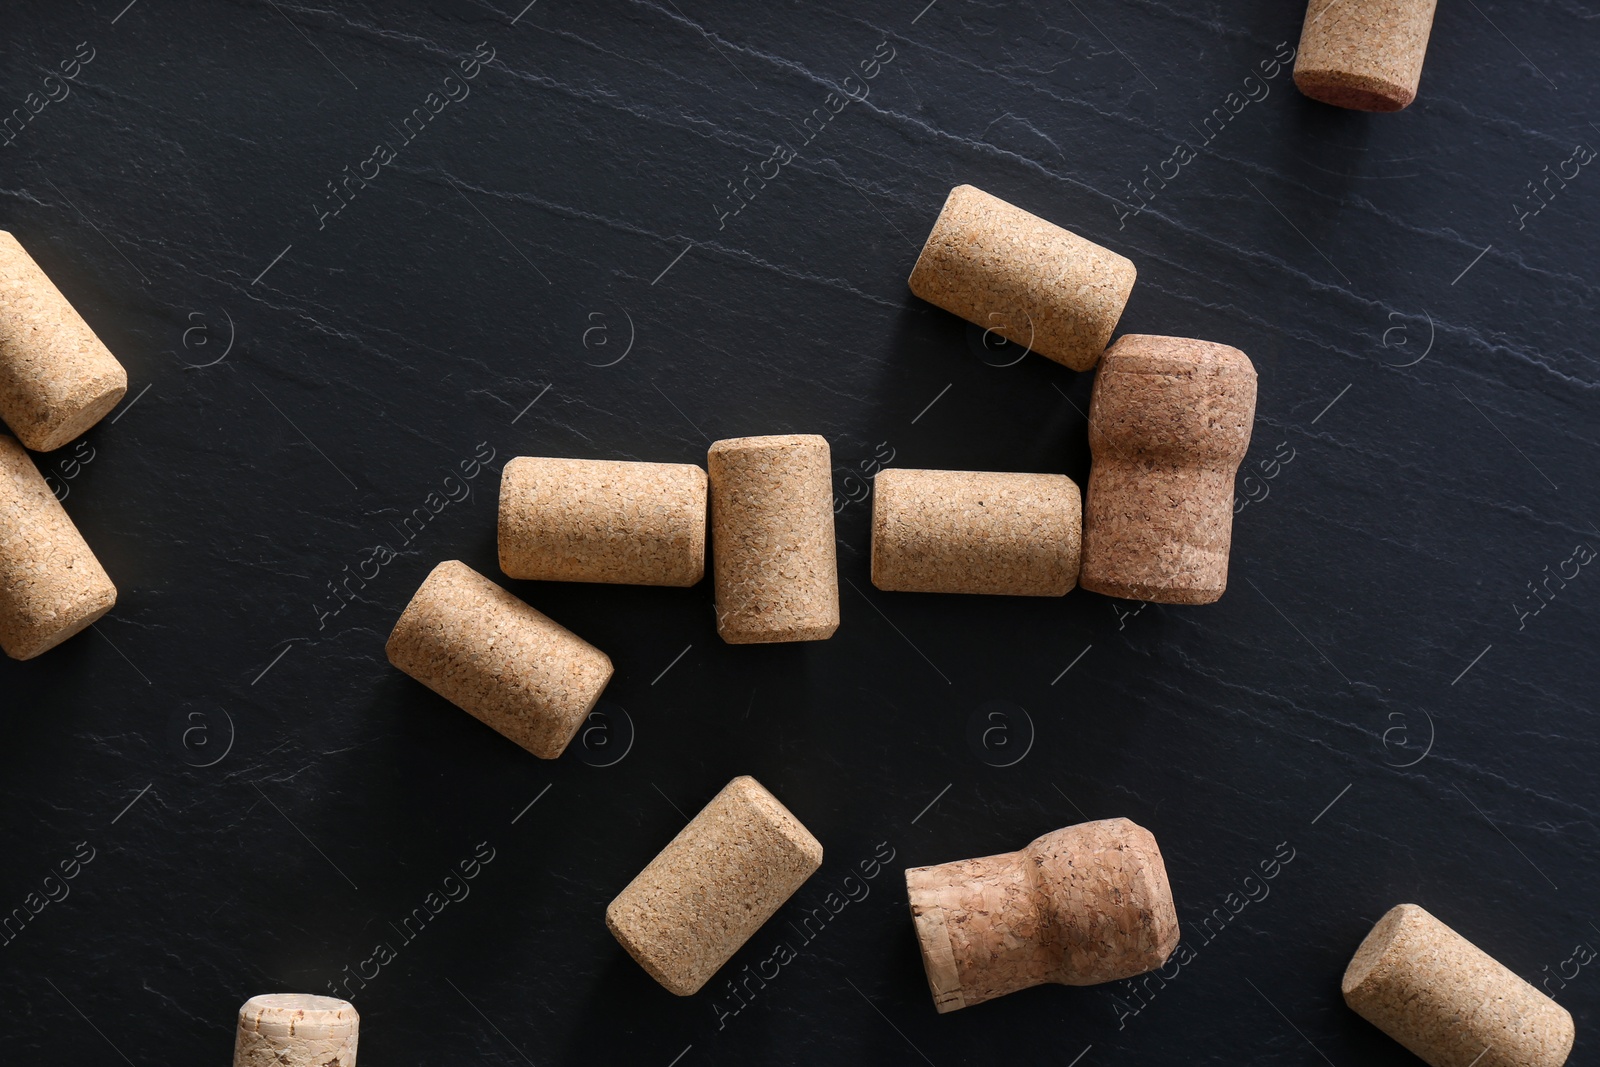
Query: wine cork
(713, 886)
(1450, 1002)
(1028, 280)
(296, 1030)
(56, 378)
(773, 556)
(1079, 906)
(499, 660)
(1363, 54)
(595, 520)
(1169, 424)
(51, 584)
(974, 532)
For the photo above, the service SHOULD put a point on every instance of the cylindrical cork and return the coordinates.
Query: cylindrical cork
(1169, 425)
(56, 378)
(1079, 906)
(51, 584)
(773, 556)
(1027, 280)
(1363, 54)
(498, 659)
(713, 886)
(1450, 1002)
(975, 532)
(296, 1030)
(596, 520)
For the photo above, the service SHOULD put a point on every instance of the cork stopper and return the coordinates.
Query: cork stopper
(1030, 281)
(772, 547)
(1079, 906)
(1363, 54)
(296, 1030)
(51, 584)
(974, 532)
(713, 886)
(1169, 424)
(499, 660)
(1450, 1002)
(595, 520)
(56, 378)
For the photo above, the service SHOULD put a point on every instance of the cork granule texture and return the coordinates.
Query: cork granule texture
(1363, 54)
(296, 1030)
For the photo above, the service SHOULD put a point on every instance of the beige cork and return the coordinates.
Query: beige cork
(1079, 906)
(713, 886)
(975, 532)
(296, 1030)
(1363, 54)
(56, 378)
(1025, 279)
(498, 659)
(51, 584)
(1450, 1002)
(596, 520)
(773, 556)
(1169, 425)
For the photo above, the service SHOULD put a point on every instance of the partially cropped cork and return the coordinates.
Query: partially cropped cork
(974, 532)
(713, 886)
(1169, 424)
(56, 378)
(1028, 280)
(1450, 1002)
(1363, 54)
(51, 584)
(296, 1030)
(593, 520)
(498, 659)
(772, 544)
(1079, 906)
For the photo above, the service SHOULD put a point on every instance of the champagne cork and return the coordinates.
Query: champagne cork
(1450, 1002)
(1079, 906)
(713, 886)
(296, 1030)
(1169, 425)
(51, 584)
(974, 532)
(56, 378)
(499, 660)
(595, 520)
(1028, 280)
(773, 557)
(1363, 54)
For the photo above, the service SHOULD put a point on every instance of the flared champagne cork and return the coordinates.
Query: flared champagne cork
(975, 532)
(1169, 425)
(496, 658)
(596, 520)
(1450, 1002)
(296, 1030)
(56, 378)
(51, 584)
(713, 886)
(1079, 906)
(1363, 54)
(1028, 280)
(773, 556)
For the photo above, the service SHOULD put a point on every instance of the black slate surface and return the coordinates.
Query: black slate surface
(544, 267)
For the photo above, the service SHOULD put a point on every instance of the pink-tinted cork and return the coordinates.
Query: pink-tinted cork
(1363, 54)
(296, 1030)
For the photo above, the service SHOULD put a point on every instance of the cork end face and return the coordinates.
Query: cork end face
(278, 1029)
(1357, 92)
(923, 885)
(36, 642)
(638, 943)
(744, 634)
(100, 397)
(1154, 594)
(1395, 926)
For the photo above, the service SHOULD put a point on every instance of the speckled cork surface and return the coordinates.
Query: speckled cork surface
(296, 1030)
(1363, 54)
(587, 520)
(713, 886)
(1030, 281)
(56, 378)
(1079, 906)
(1450, 1002)
(498, 659)
(1169, 424)
(975, 532)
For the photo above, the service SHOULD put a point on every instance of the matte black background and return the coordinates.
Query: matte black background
(521, 242)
